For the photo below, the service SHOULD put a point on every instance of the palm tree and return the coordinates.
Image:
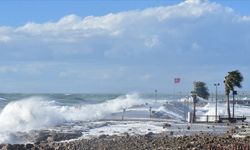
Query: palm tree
(232, 79)
(201, 90)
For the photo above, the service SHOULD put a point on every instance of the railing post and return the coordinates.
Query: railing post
(207, 118)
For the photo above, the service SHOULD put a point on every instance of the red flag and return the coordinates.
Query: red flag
(177, 80)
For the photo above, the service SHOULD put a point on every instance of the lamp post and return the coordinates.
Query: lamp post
(216, 99)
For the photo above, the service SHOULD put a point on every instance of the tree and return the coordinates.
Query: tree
(201, 89)
(232, 79)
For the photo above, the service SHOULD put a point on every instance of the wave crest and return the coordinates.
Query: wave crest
(37, 112)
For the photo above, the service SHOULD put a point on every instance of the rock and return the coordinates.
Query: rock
(189, 145)
(171, 133)
(20, 147)
(126, 134)
(232, 130)
(246, 138)
(9, 147)
(229, 136)
(42, 136)
(103, 136)
(29, 146)
(138, 142)
(2, 145)
(14, 147)
(149, 134)
(165, 125)
(50, 139)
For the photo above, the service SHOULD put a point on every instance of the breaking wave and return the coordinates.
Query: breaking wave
(38, 113)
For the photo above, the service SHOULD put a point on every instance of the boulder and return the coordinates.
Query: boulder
(166, 125)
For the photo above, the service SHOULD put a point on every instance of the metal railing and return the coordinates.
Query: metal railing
(212, 118)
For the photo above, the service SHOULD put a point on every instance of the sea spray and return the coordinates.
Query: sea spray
(37, 112)
(31, 113)
(170, 113)
(209, 110)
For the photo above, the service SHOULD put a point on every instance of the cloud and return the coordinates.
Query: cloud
(168, 30)
(4, 38)
(152, 42)
(185, 37)
(146, 77)
(7, 69)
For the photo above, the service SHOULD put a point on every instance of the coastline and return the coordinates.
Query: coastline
(142, 142)
(190, 136)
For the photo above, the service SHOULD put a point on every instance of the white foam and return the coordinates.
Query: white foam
(209, 109)
(170, 113)
(130, 127)
(38, 113)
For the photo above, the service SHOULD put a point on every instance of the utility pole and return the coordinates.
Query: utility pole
(216, 98)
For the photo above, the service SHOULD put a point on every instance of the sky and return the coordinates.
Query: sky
(121, 46)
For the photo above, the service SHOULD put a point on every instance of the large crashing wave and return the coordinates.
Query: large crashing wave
(37, 112)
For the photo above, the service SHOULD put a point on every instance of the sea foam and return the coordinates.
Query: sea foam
(38, 113)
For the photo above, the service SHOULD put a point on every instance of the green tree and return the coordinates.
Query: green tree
(232, 79)
(201, 89)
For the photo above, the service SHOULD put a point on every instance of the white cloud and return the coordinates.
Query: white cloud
(88, 73)
(146, 77)
(195, 46)
(4, 38)
(8, 69)
(152, 42)
(245, 18)
(183, 34)
(169, 28)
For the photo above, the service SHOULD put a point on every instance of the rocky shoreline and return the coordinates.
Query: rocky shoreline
(149, 141)
(236, 137)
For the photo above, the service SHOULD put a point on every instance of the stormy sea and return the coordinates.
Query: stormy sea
(31, 118)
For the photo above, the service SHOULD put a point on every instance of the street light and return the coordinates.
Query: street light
(216, 99)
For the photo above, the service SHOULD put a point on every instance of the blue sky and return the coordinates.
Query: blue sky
(15, 12)
(121, 46)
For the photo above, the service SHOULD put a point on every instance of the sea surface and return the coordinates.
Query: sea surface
(23, 116)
